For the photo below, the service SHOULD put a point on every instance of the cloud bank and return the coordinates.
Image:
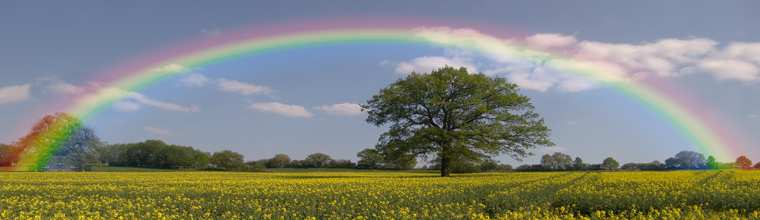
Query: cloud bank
(542, 61)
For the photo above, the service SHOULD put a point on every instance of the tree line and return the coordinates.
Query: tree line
(684, 160)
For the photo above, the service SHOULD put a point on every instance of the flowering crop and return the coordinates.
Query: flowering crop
(366, 195)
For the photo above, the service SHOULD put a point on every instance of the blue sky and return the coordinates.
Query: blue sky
(292, 101)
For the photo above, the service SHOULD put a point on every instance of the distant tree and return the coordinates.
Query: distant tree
(254, 166)
(201, 159)
(504, 167)
(673, 163)
(489, 165)
(296, 164)
(450, 112)
(80, 149)
(73, 145)
(279, 161)
(557, 161)
(757, 165)
(711, 163)
(578, 164)
(610, 163)
(227, 160)
(341, 163)
(743, 162)
(631, 166)
(8, 155)
(686, 160)
(369, 158)
(404, 161)
(317, 160)
(654, 165)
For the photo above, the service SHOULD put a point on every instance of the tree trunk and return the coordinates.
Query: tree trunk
(445, 162)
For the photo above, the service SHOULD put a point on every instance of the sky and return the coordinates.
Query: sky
(305, 100)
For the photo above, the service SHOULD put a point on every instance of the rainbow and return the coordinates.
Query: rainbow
(697, 127)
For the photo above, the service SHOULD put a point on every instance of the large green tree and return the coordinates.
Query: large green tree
(450, 113)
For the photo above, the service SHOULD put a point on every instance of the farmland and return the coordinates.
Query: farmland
(379, 195)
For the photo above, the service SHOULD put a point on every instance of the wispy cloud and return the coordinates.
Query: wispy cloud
(130, 101)
(194, 79)
(159, 104)
(55, 85)
(241, 87)
(225, 85)
(158, 130)
(341, 109)
(18, 93)
(126, 106)
(281, 109)
(211, 32)
(64, 88)
(753, 116)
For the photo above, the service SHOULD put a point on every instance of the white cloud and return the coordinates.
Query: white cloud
(753, 116)
(64, 88)
(194, 79)
(126, 106)
(170, 68)
(159, 104)
(552, 149)
(19, 93)
(281, 109)
(539, 82)
(213, 32)
(548, 41)
(157, 130)
(730, 69)
(590, 62)
(341, 109)
(742, 51)
(241, 87)
(130, 101)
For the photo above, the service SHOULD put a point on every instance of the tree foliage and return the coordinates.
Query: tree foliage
(227, 160)
(711, 163)
(610, 164)
(317, 160)
(686, 160)
(578, 164)
(449, 113)
(557, 161)
(8, 155)
(743, 162)
(154, 154)
(60, 142)
(278, 161)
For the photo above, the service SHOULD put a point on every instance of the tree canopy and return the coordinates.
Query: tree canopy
(610, 163)
(451, 114)
(743, 162)
(72, 144)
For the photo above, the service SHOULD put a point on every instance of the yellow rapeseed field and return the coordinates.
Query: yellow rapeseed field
(367, 195)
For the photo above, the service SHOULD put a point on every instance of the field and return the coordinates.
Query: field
(380, 195)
